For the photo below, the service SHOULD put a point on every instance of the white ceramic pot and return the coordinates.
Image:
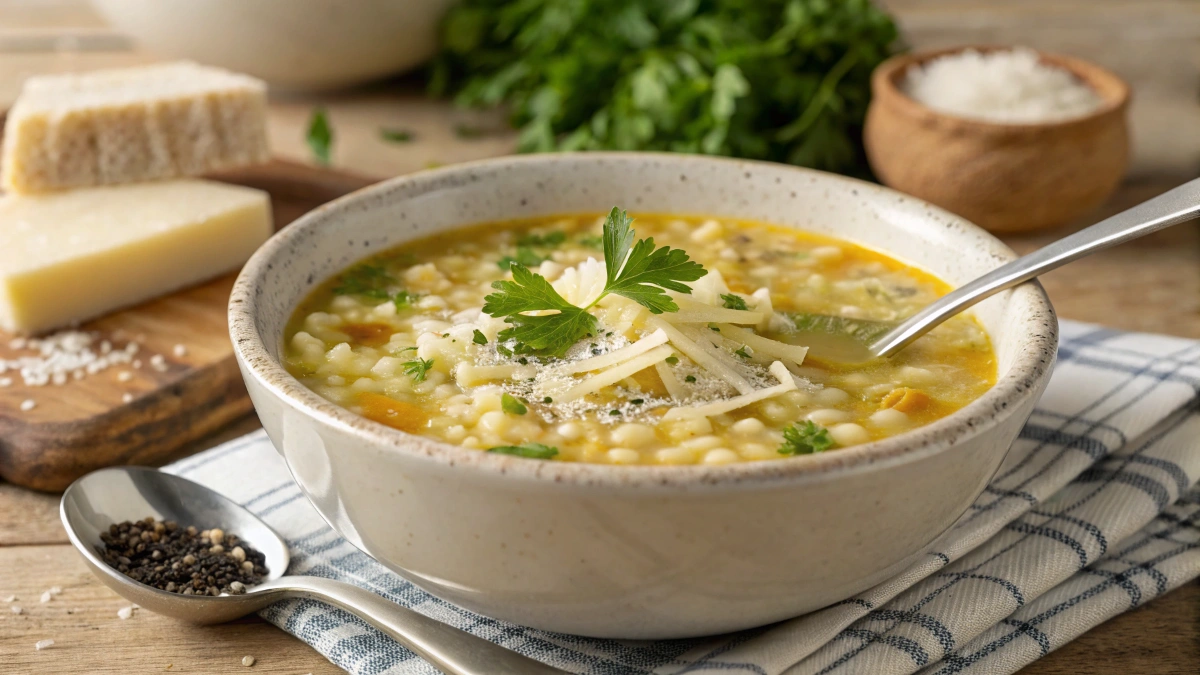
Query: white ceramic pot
(635, 552)
(295, 45)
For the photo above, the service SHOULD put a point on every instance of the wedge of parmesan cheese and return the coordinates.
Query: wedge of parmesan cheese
(134, 124)
(70, 256)
(786, 384)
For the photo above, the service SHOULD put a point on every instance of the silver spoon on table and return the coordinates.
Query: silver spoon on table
(115, 495)
(828, 343)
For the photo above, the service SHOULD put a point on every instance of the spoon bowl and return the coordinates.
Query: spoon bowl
(109, 496)
(118, 494)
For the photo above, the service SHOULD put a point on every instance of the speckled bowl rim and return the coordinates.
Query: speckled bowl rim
(1032, 363)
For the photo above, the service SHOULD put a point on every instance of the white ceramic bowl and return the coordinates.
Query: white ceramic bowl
(635, 552)
(295, 45)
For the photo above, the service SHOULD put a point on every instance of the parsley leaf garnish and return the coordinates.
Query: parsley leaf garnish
(512, 405)
(478, 337)
(647, 273)
(734, 301)
(320, 136)
(805, 439)
(417, 368)
(367, 280)
(744, 352)
(530, 450)
(636, 270)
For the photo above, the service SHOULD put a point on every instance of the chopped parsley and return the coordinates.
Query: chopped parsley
(614, 412)
(395, 135)
(407, 349)
(478, 337)
(637, 401)
(547, 400)
(367, 280)
(504, 351)
(530, 450)
(805, 439)
(734, 301)
(672, 360)
(690, 378)
(320, 136)
(417, 368)
(744, 352)
(549, 239)
(512, 405)
(404, 300)
(636, 270)
(525, 256)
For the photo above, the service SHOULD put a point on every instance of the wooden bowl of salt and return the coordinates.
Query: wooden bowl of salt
(1011, 139)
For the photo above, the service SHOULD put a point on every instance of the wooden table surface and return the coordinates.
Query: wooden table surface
(1152, 285)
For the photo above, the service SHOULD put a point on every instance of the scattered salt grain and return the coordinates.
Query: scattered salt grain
(137, 363)
(247, 661)
(42, 644)
(16, 610)
(125, 612)
(28, 404)
(9, 598)
(63, 355)
(159, 363)
(46, 596)
(6, 381)
(180, 351)
(55, 590)
(124, 376)
(1012, 86)
(127, 398)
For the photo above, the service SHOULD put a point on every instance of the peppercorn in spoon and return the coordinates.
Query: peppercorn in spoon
(92, 504)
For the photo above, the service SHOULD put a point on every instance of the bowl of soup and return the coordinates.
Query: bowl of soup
(572, 391)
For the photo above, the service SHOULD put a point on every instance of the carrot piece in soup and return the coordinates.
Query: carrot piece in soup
(393, 413)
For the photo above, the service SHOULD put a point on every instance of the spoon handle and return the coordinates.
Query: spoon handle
(1170, 208)
(453, 651)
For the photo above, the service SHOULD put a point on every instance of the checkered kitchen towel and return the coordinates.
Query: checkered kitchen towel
(1092, 514)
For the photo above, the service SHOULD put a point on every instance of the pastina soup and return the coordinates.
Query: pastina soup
(669, 340)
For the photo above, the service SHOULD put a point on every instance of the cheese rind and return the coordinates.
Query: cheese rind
(134, 124)
(71, 256)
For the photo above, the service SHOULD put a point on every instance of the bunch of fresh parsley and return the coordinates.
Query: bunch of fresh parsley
(635, 269)
(781, 80)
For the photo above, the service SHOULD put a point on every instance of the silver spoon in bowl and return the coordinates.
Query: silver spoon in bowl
(879, 340)
(118, 494)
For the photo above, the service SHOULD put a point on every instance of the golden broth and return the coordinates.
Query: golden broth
(429, 362)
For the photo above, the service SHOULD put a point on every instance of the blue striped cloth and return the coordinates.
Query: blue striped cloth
(1092, 514)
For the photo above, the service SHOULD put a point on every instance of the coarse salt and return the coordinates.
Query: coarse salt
(127, 397)
(9, 598)
(180, 351)
(1012, 86)
(16, 610)
(6, 381)
(124, 376)
(159, 363)
(46, 595)
(42, 644)
(62, 356)
(28, 404)
(125, 612)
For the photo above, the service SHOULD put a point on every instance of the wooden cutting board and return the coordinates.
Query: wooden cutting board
(87, 424)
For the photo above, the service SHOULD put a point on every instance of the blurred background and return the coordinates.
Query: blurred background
(1153, 44)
